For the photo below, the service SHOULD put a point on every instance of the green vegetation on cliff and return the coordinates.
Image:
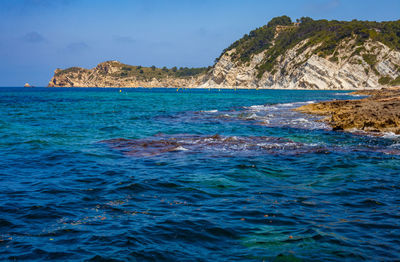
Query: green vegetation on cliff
(120, 70)
(69, 70)
(280, 34)
(159, 73)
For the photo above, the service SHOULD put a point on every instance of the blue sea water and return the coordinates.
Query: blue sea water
(193, 175)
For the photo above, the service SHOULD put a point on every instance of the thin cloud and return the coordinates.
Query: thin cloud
(124, 39)
(33, 37)
(77, 47)
(202, 31)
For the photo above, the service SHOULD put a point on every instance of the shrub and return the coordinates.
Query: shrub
(370, 59)
(385, 80)
(280, 20)
(334, 59)
(396, 82)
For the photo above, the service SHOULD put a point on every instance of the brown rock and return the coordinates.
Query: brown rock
(380, 112)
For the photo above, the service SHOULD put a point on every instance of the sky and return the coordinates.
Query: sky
(38, 36)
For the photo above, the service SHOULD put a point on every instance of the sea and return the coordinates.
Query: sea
(94, 174)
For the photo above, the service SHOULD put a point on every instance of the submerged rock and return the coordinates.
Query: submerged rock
(215, 144)
(229, 146)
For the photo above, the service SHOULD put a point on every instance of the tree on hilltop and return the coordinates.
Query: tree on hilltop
(280, 20)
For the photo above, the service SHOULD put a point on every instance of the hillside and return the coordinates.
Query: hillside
(308, 54)
(116, 74)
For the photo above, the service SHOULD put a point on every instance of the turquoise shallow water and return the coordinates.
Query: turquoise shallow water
(155, 174)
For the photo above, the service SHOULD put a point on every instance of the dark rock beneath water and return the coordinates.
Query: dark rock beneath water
(160, 144)
(223, 146)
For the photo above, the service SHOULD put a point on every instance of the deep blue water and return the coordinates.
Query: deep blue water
(156, 175)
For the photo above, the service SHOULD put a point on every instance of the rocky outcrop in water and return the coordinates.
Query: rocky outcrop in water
(380, 112)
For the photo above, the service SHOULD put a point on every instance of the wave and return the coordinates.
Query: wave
(210, 111)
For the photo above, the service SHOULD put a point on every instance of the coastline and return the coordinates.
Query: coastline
(216, 88)
(377, 113)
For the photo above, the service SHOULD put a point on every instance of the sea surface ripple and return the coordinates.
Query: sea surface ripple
(160, 175)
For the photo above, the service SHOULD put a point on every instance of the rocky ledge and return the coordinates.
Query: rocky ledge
(379, 112)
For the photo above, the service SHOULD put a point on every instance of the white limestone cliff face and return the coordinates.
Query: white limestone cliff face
(301, 69)
(103, 75)
(229, 74)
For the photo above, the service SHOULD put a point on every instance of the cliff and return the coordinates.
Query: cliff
(308, 54)
(116, 74)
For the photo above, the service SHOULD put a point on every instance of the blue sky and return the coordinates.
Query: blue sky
(38, 36)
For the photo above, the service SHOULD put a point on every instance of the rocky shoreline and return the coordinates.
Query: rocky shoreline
(378, 112)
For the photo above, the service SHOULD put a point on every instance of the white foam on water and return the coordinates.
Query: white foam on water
(251, 117)
(285, 105)
(303, 120)
(278, 106)
(303, 103)
(278, 145)
(282, 115)
(353, 130)
(256, 107)
(390, 135)
(343, 94)
(316, 145)
(180, 148)
(397, 146)
(275, 115)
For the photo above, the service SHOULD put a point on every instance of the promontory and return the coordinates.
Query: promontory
(306, 54)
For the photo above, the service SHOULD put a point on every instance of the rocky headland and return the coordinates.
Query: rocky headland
(117, 74)
(378, 112)
(308, 54)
